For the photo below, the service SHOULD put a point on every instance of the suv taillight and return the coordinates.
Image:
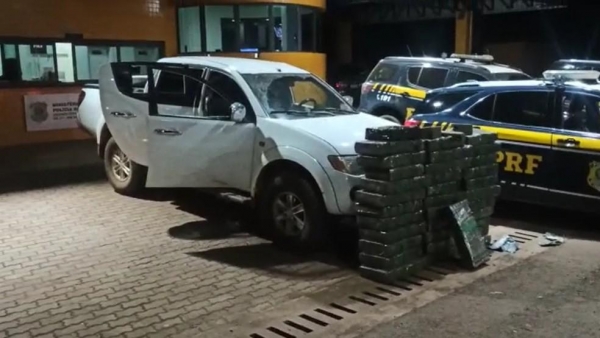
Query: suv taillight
(81, 98)
(340, 85)
(366, 87)
(411, 123)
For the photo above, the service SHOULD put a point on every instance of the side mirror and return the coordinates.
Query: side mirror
(349, 99)
(238, 112)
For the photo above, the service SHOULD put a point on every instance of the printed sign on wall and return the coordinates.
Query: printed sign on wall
(51, 111)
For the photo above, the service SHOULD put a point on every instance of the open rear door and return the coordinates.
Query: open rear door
(125, 107)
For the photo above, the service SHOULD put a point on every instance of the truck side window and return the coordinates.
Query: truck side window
(221, 91)
(174, 88)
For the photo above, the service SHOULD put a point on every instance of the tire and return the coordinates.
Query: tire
(390, 115)
(292, 189)
(121, 182)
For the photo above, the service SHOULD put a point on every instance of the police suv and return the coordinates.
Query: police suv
(398, 84)
(575, 64)
(549, 131)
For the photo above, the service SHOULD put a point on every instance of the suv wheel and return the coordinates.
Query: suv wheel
(126, 176)
(293, 212)
(389, 115)
(390, 118)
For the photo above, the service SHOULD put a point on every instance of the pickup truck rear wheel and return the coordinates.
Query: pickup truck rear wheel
(126, 176)
(292, 212)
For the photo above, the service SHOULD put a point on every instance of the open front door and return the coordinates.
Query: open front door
(193, 142)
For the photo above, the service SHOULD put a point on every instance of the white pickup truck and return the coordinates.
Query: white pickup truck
(267, 130)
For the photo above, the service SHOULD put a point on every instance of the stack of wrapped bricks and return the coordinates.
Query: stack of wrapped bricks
(480, 175)
(412, 176)
(390, 213)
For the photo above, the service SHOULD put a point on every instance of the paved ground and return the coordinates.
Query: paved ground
(80, 260)
(552, 295)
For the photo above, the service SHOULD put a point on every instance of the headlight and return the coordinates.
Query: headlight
(345, 164)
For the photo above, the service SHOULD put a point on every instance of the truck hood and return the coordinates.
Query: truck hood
(340, 131)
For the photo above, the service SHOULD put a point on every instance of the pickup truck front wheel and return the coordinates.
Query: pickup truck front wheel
(126, 176)
(293, 213)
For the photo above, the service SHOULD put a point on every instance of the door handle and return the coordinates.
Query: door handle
(568, 142)
(168, 132)
(125, 114)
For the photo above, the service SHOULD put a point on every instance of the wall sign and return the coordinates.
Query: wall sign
(51, 111)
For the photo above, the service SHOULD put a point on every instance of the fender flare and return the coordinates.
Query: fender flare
(304, 160)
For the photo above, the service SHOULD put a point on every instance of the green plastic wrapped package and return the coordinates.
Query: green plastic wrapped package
(382, 201)
(382, 148)
(393, 133)
(390, 211)
(395, 174)
(468, 237)
(389, 162)
(392, 188)
(393, 236)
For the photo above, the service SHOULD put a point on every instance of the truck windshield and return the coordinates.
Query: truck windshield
(296, 94)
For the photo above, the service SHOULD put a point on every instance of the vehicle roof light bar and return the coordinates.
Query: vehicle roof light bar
(471, 57)
(572, 75)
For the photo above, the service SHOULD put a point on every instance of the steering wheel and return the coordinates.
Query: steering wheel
(310, 99)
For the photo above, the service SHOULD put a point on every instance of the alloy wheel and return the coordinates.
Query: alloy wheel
(289, 214)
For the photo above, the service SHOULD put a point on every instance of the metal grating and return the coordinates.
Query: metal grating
(312, 322)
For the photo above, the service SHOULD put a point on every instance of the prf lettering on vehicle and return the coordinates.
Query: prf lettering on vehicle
(517, 163)
(509, 161)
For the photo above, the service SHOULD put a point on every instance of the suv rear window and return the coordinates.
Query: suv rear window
(384, 72)
(439, 102)
(511, 76)
(427, 77)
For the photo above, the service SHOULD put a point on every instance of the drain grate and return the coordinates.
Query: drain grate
(323, 317)
(280, 332)
(329, 314)
(391, 292)
(373, 295)
(342, 308)
(522, 237)
(362, 300)
(320, 318)
(297, 326)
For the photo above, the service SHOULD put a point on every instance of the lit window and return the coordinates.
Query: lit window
(153, 7)
(37, 62)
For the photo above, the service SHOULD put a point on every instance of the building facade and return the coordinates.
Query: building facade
(55, 46)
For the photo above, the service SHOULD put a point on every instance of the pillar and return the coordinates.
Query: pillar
(463, 32)
(343, 42)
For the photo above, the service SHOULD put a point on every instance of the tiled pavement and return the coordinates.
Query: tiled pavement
(79, 260)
